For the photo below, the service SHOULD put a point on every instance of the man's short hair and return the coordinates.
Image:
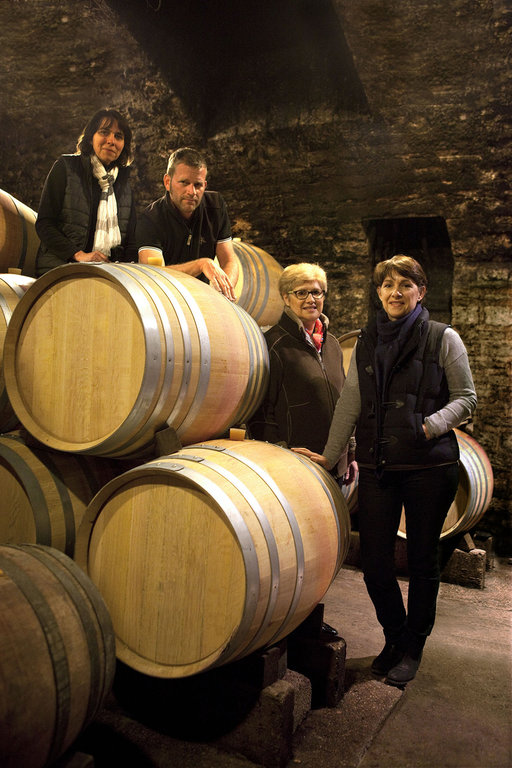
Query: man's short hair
(187, 156)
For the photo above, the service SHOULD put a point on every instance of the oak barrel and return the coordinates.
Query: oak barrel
(45, 493)
(474, 493)
(19, 241)
(98, 358)
(257, 286)
(12, 288)
(57, 657)
(347, 343)
(207, 554)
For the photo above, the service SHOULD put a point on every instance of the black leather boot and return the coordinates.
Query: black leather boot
(389, 657)
(404, 671)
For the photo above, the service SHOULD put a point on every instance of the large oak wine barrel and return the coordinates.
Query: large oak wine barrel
(98, 358)
(257, 286)
(45, 493)
(347, 343)
(18, 237)
(212, 552)
(57, 657)
(12, 288)
(474, 493)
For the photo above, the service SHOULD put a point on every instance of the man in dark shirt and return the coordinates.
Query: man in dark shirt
(189, 226)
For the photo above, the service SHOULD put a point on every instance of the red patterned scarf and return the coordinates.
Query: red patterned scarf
(317, 334)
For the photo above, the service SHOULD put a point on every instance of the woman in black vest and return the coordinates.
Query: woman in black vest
(87, 212)
(408, 385)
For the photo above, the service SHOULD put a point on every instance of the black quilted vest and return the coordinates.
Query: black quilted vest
(389, 431)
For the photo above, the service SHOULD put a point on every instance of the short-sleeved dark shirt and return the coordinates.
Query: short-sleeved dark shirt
(162, 226)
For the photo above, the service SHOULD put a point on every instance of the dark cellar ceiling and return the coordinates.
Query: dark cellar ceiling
(229, 62)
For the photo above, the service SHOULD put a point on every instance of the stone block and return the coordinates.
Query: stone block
(466, 568)
(321, 661)
(265, 734)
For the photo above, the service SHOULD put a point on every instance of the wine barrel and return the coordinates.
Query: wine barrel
(45, 493)
(347, 343)
(58, 654)
(12, 288)
(212, 552)
(474, 493)
(98, 358)
(18, 237)
(257, 286)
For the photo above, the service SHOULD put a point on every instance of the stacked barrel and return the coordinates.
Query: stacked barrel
(18, 237)
(201, 555)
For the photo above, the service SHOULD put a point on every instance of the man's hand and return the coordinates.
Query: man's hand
(218, 278)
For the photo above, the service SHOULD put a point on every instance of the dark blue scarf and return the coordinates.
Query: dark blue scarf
(391, 338)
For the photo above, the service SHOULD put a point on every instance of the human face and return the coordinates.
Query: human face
(399, 295)
(308, 310)
(108, 141)
(186, 188)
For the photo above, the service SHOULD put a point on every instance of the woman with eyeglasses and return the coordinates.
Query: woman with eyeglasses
(306, 370)
(87, 211)
(306, 365)
(408, 385)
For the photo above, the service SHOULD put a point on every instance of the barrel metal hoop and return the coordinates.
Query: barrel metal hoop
(205, 350)
(34, 493)
(156, 419)
(251, 258)
(24, 234)
(13, 282)
(243, 535)
(311, 468)
(267, 533)
(243, 299)
(292, 520)
(255, 393)
(187, 343)
(5, 309)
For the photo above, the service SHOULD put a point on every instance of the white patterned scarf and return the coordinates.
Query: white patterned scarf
(107, 233)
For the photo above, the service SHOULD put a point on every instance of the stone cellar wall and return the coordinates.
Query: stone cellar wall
(338, 131)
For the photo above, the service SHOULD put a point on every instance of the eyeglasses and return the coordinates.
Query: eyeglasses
(302, 293)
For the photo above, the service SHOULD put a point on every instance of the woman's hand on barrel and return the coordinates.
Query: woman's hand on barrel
(93, 256)
(318, 458)
(218, 279)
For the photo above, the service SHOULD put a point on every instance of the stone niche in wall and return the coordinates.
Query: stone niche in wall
(426, 239)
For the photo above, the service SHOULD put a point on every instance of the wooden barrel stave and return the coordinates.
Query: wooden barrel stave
(257, 287)
(238, 541)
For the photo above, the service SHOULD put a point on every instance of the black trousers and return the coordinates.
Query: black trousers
(426, 496)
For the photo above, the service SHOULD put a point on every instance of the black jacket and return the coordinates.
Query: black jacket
(303, 387)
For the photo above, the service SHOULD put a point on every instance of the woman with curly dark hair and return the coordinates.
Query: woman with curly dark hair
(87, 211)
